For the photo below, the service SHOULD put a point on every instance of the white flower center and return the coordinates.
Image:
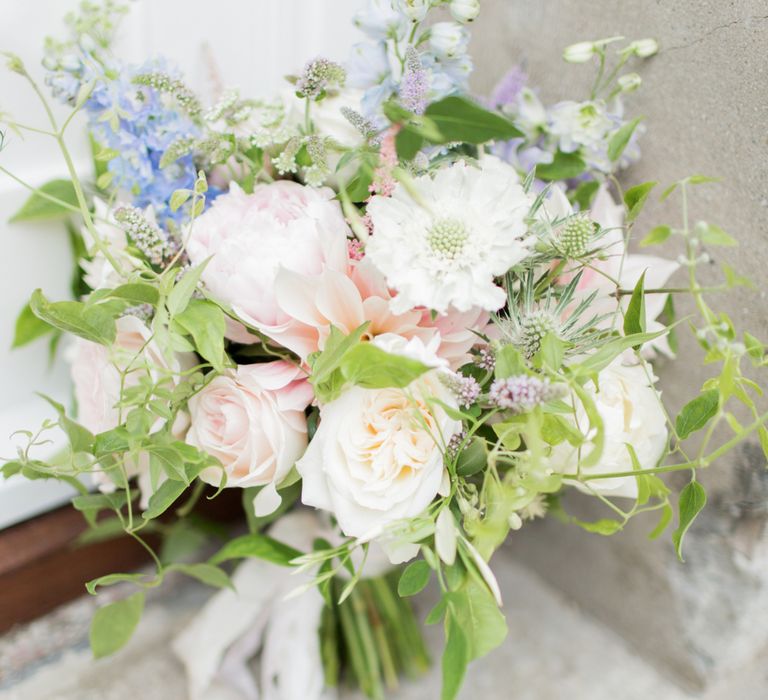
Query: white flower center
(447, 238)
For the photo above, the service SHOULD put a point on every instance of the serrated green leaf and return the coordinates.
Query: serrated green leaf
(184, 289)
(693, 498)
(257, 546)
(113, 625)
(656, 235)
(38, 208)
(414, 578)
(136, 293)
(621, 138)
(697, 413)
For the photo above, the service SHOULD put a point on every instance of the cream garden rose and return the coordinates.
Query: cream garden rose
(377, 456)
(629, 407)
(252, 420)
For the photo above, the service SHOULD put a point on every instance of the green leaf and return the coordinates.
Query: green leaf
(697, 413)
(179, 197)
(606, 526)
(635, 198)
(552, 351)
(205, 322)
(257, 546)
(184, 289)
(714, 235)
(369, 366)
(611, 349)
(473, 458)
(29, 327)
(634, 318)
(414, 578)
(209, 574)
(38, 208)
(80, 439)
(162, 499)
(460, 119)
(656, 235)
(358, 187)
(564, 166)
(585, 193)
(664, 520)
(136, 293)
(90, 322)
(164, 459)
(455, 658)
(762, 433)
(113, 625)
(693, 498)
(112, 579)
(475, 609)
(621, 138)
(509, 362)
(408, 143)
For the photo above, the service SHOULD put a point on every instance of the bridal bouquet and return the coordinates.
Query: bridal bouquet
(399, 319)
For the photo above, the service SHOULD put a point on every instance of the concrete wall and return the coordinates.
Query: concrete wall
(705, 102)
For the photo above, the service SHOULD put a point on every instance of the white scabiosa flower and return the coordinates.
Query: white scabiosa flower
(442, 242)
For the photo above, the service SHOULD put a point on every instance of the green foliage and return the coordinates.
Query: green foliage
(414, 578)
(621, 138)
(52, 200)
(460, 119)
(258, 546)
(207, 573)
(370, 367)
(456, 657)
(113, 625)
(710, 234)
(693, 498)
(635, 198)
(564, 166)
(29, 328)
(697, 413)
(656, 236)
(634, 318)
(206, 324)
(92, 323)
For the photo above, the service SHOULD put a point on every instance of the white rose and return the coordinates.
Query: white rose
(630, 408)
(252, 420)
(377, 455)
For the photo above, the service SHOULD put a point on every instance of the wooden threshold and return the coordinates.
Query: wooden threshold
(42, 566)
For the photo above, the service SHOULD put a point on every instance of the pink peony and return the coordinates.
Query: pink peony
(251, 237)
(316, 302)
(252, 420)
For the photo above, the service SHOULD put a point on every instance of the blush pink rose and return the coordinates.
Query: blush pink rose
(250, 237)
(347, 299)
(96, 371)
(252, 420)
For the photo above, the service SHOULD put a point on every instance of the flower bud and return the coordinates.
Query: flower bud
(629, 82)
(447, 39)
(579, 53)
(465, 11)
(415, 10)
(15, 64)
(644, 48)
